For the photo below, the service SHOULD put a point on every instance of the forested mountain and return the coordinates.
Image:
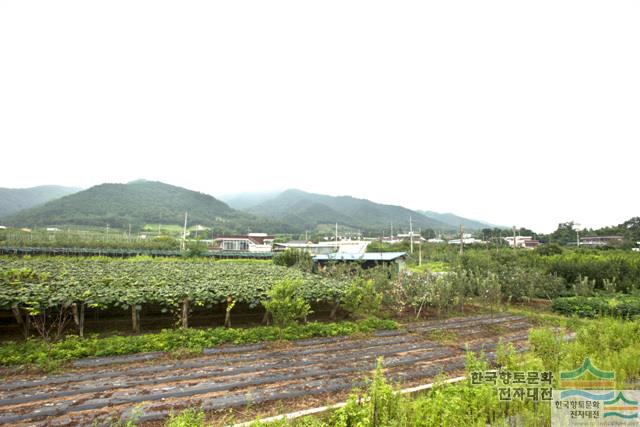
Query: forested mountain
(13, 200)
(307, 210)
(138, 203)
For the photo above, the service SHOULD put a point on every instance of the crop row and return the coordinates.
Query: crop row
(104, 283)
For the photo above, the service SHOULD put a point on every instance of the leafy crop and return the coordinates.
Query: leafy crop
(45, 282)
(36, 351)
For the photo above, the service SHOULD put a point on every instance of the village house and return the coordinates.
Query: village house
(365, 260)
(252, 242)
(526, 242)
(344, 246)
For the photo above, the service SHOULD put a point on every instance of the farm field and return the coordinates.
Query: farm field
(103, 341)
(147, 387)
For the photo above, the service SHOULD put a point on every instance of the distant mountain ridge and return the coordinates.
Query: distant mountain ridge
(245, 201)
(138, 203)
(455, 220)
(308, 210)
(292, 211)
(14, 200)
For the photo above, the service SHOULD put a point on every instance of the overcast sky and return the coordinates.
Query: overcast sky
(524, 113)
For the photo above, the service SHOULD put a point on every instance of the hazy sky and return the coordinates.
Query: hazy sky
(524, 113)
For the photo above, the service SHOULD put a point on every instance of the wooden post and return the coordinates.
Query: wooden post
(334, 310)
(81, 321)
(227, 315)
(78, 317)
(74, 310)
(135, 318)
(185, 313)
(23, 322)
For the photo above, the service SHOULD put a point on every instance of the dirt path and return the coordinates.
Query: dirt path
(147, 387)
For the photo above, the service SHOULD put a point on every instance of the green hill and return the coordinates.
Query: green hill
(13, 200)
(307, 210)
(138, 203)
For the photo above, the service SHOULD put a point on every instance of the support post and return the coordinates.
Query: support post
(23, 322)
(334, 310)
(135, 318)
(185, 313)
(227, 315)
(81, 324)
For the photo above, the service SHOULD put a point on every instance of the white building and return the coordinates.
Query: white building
(323, 248)
(527, 242)
(252, 242)
(467, 241)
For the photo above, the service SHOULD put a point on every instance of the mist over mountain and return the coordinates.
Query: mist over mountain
(308, 210)
(245, 201)
(456, 220)
(13, 200)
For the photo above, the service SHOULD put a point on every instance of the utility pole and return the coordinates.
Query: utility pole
(411, 233)
(336, 233)
(419, 253)
(514, 237)
(577, 235)
(107, 237)
(461, 239)
(184, 232)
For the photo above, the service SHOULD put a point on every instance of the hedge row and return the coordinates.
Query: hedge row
(627, 307)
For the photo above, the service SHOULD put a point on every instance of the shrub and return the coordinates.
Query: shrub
(362, 299)
(548, 346)
(623, 306)
(294, 258)
(584, 286)
(285, 303)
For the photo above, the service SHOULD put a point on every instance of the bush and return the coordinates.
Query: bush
(294, 258)
(362, 299)
(195, 249)
(548, 346)
(285, 304)
(626, 307)
(622, 266)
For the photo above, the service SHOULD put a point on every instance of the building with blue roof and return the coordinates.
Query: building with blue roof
(366, 259)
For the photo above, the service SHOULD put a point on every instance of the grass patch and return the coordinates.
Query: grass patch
(442, 336)
(179, 343)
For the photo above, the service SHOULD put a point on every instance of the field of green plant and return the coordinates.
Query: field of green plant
(594, 293)
(40, 283)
